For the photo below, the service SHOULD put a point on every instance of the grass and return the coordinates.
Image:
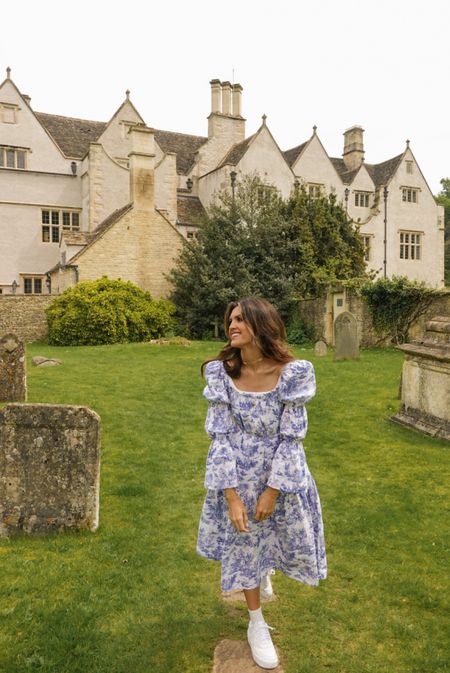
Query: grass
(134, 597)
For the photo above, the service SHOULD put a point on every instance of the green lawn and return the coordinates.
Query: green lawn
(135, 598)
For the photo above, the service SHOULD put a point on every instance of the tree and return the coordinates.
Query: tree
(443, 198)
(260, 244)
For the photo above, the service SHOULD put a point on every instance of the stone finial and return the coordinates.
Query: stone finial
(314, 130)
(264, 118)
(407, 142)
(13, 374)
(127, 94)
(8, 73)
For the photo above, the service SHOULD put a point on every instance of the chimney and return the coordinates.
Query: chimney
(226, 98)
(353, 147)
(237, 98)
(216, 96)
(27, 98)
(142, 167)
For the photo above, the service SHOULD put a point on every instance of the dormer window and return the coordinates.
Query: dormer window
(362, 199)
(13, 157)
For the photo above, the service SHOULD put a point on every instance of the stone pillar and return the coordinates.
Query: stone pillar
(142, 167)
(13, 376)
(216, 95)
(49, 468)
(426, 381)
(353, 147)
(237, 99)
(226, 98)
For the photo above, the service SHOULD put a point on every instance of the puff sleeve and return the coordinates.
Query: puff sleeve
(289, 468)
(220, 463)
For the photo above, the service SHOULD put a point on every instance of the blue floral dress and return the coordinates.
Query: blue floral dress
(257, 442)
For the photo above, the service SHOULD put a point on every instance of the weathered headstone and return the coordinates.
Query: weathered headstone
(346, 345)
(425, 390)
(320, 348)
(49, 468)
(13, 376)
(234, 656)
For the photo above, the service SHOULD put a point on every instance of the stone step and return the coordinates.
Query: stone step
(234, 656)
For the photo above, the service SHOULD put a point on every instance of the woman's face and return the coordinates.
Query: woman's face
(238, 331)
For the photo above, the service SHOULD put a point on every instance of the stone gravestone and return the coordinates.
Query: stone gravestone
(13, 377)
(320, 348)
(49, 468)
(425, 390)
(346, 345)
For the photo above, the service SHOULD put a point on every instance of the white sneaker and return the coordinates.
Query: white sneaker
(266, 589)
(261, 645)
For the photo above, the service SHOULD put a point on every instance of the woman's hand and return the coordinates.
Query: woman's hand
(237, 511)
(266, 503)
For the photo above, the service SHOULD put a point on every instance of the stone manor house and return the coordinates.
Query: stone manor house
(81, 199)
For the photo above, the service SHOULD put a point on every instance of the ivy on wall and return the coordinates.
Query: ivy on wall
(396, 303)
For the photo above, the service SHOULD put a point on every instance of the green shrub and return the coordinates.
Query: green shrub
(107, 311)
(299, 332)
(396, 303)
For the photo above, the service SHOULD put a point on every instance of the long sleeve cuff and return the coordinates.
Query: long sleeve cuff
(288, 473)
(220, 465)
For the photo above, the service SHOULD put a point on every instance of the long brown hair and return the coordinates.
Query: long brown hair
(267, 327)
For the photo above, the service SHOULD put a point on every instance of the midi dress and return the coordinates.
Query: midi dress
(256, 441)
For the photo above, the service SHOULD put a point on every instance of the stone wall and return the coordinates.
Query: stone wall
(24, 315)
(319, 313)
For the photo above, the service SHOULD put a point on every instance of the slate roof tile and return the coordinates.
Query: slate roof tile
(71, 135)
(184, 145)
(190, 210)
(292, 154)
(235, 154)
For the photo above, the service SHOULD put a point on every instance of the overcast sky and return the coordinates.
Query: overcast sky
(383, 65)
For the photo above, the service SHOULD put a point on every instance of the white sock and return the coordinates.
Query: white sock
(256, 616)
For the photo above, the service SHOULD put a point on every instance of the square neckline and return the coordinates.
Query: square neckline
(257, 392)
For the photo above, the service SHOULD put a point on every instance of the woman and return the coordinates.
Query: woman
(262, 509)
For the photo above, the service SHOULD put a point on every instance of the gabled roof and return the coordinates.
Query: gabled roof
(235, 154)
(104, 226)
(341, 169)
(184, 145)
(292, 155)
(92, 237)
(189, 209)
(382, 173)
(71, 135)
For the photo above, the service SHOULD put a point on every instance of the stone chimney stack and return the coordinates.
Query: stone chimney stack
(237, 98)
(142, 167)
(353, 147)
(225, 123)
(226, 98)
(216, 96)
